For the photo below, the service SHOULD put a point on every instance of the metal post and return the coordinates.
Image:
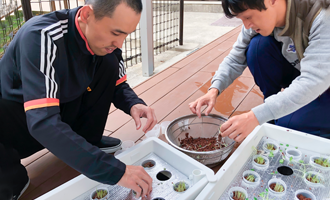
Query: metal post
(27, 11)
(147, 46)
(181, 22)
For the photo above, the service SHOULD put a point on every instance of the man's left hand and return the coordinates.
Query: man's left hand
(140, 110)
(240, 126)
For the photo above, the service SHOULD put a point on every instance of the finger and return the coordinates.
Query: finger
(209, 108)
(192, 107)
(234, 134)
(144, 187)
(224, 127)
(198, 108)
(240, 138)
(147, 179)
(150, 119)
(137, 121)
(137, 189)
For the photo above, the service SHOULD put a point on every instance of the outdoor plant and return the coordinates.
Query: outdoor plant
(180, 187)
(250, 178)
(323, 162)
(237, 195)
(99, 194)
(313, 178)
(260, 160)
(277, 187)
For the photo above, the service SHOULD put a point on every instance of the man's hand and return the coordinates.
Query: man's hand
(140, 110)
(137, 179)
(208, 99)
(240, 126)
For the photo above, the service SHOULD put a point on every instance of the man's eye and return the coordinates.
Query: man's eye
(115, 34)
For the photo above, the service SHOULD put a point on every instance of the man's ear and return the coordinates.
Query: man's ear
(86, 13)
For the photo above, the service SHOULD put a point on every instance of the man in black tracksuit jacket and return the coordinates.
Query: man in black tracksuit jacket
(58, 78)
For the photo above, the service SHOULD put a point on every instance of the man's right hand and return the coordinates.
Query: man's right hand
(208, 99)
(137, 179)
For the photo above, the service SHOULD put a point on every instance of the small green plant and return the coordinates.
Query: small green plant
(278, 188)
(271, 154)
(100, 194)
(250, 178)
(313, 178)
(323, 162)
(260, 160)
(239, 195)
(180, 187)
(264, 195)
(270, 146)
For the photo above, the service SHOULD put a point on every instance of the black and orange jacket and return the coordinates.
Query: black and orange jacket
(49, 62)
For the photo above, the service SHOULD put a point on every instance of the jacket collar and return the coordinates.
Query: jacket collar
(77, 34)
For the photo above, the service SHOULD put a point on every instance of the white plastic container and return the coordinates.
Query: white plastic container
(237, 160)
(294, 153)
(97, 189)
(260, 166)
(179, 160)
(306, 193)
(233, 189)
(319, 176)
(274, 143)
(311, 161)
(279, 181)
(256, 178)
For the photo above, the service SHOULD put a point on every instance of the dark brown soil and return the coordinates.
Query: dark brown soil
(201, 144)
(148, 165)
(237, 198)
(272, 186)
(302, 197)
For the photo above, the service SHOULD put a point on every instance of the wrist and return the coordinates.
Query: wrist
(213, 91)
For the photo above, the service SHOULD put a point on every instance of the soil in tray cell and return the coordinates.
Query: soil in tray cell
(201, 144)
(302, 197)
(279, 187)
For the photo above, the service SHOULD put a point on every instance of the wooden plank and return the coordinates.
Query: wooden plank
(163, 106)
(192, 57)
(117, 118)
(253, 99)
(26, 161)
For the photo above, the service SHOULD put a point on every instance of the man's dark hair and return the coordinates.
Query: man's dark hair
(233, 7)
(104, 8)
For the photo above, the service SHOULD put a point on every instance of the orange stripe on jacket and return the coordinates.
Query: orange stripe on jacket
(124, 78)
(41, 103)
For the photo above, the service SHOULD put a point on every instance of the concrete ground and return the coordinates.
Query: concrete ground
(200, 28)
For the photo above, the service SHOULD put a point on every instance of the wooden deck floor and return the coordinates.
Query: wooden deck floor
(169, 93)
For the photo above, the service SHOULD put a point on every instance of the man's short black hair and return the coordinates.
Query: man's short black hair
(233, 7)
(104, 8)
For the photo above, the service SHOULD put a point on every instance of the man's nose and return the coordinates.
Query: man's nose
(119, 43)
(247, 24)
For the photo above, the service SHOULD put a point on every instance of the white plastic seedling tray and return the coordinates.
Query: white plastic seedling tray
(180, 165)
(230, 175)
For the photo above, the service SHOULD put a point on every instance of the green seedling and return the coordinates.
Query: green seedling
(313, 178)
(278, 188)
(181, 187)
(264, 195)
(271, 154)
(100, 194)
(239, 195)
(323, 162)
(270, 146)
(250, 178)
(260, 160)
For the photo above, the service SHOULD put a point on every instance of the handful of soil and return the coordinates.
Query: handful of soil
(201, 144)
(302, 197)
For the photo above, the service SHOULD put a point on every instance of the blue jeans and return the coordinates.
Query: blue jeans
(272, 72)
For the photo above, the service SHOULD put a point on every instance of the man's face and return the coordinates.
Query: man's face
(106, 34)
(262, 22)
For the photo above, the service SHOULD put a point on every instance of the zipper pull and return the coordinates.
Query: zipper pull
(94, 58)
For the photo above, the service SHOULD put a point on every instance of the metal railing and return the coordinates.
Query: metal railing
(166, 14)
